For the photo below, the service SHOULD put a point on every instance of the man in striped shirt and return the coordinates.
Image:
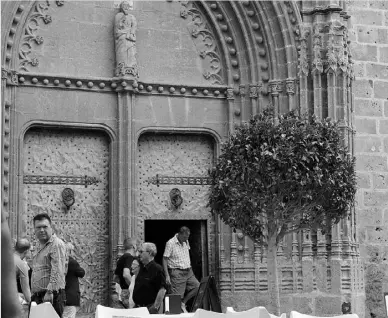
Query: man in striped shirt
(49, 266)
(177, 267)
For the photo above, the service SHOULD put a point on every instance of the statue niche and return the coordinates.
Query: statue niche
(125, 43)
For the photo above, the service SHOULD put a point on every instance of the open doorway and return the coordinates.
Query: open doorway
(160, 231)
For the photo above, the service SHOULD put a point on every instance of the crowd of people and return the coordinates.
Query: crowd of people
(52, 273)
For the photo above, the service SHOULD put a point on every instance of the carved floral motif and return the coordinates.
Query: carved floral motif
(10, 75)
(204, 41)
(39, 14)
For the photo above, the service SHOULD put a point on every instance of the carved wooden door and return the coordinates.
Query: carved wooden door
(177, 161)
(53, 158)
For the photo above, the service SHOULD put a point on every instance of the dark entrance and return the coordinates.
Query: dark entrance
(160, 231)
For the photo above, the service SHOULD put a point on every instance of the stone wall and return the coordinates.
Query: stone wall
(370, 53)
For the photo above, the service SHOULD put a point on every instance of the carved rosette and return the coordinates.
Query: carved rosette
(30, 37)
(205, 42)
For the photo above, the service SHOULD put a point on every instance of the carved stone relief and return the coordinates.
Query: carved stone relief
(205, 42)
(40, 14)
(86, 223)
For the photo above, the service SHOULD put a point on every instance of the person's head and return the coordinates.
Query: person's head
(22, 247)
(130, 244)
(183, 234)
(125, 7)
(147, 252)
(135, 267)
(42, 227)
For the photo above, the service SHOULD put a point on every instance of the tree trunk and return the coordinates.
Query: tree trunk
(273, 283)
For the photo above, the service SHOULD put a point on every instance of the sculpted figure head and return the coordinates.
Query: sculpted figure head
(125, 7)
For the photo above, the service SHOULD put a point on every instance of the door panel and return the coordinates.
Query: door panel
(63, 154)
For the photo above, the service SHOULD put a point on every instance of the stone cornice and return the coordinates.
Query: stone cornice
(113, 85)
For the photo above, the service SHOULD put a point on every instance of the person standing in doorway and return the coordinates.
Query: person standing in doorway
(49, 266)
(22, 248)
(123, 271)
(177, 267)
(73, 296)
(150, 284)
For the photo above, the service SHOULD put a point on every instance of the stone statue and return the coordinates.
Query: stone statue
(125, 42)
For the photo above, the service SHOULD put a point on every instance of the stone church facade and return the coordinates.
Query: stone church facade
(111, 118)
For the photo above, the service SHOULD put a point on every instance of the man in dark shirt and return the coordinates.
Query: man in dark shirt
(150, 284)
(123, 271)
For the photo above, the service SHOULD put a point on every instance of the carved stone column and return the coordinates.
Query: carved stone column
(303, 69)
(230, 98)
(290, 90)
(253, 96)
(9, 184)
(276, 89)
(126, 162)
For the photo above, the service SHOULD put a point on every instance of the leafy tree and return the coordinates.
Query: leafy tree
(275, 177)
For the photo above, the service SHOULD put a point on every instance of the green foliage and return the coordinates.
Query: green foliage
(276, 178)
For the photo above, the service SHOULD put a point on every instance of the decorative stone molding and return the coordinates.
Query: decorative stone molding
(253, 90)
(230, 93)
(303, 60)
(290, 86)
(11, 35)
(276, 87)
(317, 65)
(242, 90)
(109, 85)
(205, 42)
(31, 36)
(254, 22)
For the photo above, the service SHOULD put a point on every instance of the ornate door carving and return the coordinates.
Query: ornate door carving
(63, 154)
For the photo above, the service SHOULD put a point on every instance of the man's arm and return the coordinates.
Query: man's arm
(58, 259)
(25, 284)
(158, 301)
(165, 269)
(127, 275)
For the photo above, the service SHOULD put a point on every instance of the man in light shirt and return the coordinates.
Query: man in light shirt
(177, 267)
(49, 266)
(22, 248)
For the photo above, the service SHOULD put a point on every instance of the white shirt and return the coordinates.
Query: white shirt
(177, 254)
